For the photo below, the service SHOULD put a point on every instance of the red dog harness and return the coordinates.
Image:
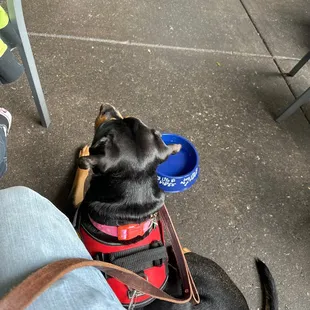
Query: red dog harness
(147, 257)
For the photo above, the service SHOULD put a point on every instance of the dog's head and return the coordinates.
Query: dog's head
(125, 144)
(124, 156)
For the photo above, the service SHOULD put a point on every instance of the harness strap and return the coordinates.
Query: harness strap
(26, 292)
(142, 260)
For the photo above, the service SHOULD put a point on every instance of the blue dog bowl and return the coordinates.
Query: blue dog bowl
(180, 171)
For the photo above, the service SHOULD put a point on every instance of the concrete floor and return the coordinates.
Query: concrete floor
(208, 71)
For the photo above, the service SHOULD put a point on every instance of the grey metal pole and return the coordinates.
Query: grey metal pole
(17, 19)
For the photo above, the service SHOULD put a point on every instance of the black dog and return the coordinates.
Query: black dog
(123, 189)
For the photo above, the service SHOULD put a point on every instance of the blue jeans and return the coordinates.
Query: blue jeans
(33, 233)
(3, 163)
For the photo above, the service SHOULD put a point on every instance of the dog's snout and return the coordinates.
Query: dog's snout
(106, 108)
(106, 113)
(101, 108)
(109, 111)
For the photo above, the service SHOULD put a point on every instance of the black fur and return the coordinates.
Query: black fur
(124, 156)
(217, 291)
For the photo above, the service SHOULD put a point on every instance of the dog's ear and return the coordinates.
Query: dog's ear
(99, 155)
(88, 162)
(101, 142)
(168, 150)
(97, 151)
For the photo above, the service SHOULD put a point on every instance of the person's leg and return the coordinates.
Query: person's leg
(5, 124)
(33, 233)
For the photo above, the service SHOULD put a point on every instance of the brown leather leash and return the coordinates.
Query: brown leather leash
(185, 274)
(32, 287)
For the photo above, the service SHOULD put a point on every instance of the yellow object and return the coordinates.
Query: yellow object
(4, 19)
(3, 48)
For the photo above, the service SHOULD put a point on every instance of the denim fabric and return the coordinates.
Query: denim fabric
(33, 233)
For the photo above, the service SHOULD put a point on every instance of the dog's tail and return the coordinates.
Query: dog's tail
(270, 296)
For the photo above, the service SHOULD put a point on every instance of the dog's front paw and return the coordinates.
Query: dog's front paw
(84, 151)
(186, 250)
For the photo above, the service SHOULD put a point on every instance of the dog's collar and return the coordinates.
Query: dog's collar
(126, 232)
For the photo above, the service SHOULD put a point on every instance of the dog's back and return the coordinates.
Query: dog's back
(216, 290)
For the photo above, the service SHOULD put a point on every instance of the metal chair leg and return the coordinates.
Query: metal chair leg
(300, 64)
(17, 19)
(301, 100)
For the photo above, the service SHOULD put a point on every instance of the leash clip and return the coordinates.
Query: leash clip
(132, 299)
(133, 293)
(154, 219)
